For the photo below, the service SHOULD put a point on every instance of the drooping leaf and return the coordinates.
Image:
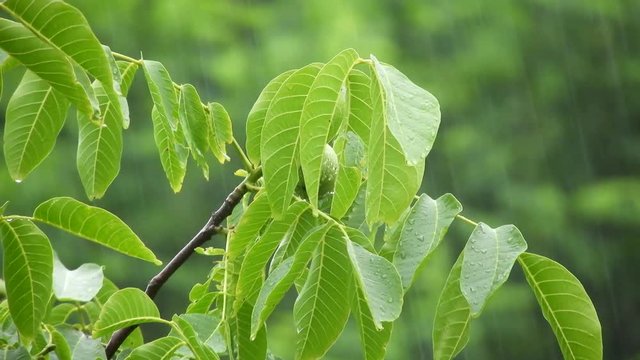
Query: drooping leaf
(129, 306)
(283, 276)
(99, 146)
(35, 116)
(94, 224)
(488, 258)
(194, 124)
(320, 106)
(28, 268)
(81, 284)
(422, 231)
(379, 282)
(45, 61)
(253, 265)
(280, 138)
(374, 341)
(566, 307)
(127, 72)
(173, 156)
(257, 114)
(350, 150)
(195, 344)
(221, 131)
(360, 104)
(160, 349)
(322, 308)
(391, 182)
(452, 319)
(162, 91)
(412, 113)
(249, 347)
(118, 95)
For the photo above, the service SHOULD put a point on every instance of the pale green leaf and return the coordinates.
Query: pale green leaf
(322, 308)
(422, 231)
(280, 138)
(81, 346)
(379, 282)
(35, 115)
(81, 284)
(247, 230)
(124, 308)
(94, 224)
(173, 156)
(83, 79)
(62, 350)
(221, 132)
(566, 307)
(162, 91)
(127, 72)
(249, 347)
(360, 104)
(199, 350)
(355, 216)
(207, 328)
(47, 62)
(391, 182)
(374, 341)
(159, 349)
(283, 276)
(317, 113)
(452, 318)
(194, 123)
(119, 93)
(257, 114)
(28, 268)
(253, 265)
(346, 189)
(412, 113)
(488, 258)
(99, 146)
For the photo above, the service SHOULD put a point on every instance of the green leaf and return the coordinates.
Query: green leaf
(20, 353)
(289, 244)
(162, 91)
(257, 114)
(94, 224)
(249, 348)
(280, 138)
(48, 63)
(160, 349)
(355, 216)
(379, 283)
(173, 156)
(283, 276)
(81, 284)
(248, 229)
(374, 341)
(64, 27)
(60, 313)
(35, 116)
(412, 113)
(253, 265)
(360, 104)
(391, 182)
(566, 307)
(62, 350)
(126, 307)
(28, 268)
(488, 258)
(99, 146)
(346, 189)
(221, 131)
(315, 121)
(422, 231)
(189, 335)
(81, 346)
(118, 95)
(127, 72)
(322, 308)
(193, 122)
(452, 318)
(207, 328)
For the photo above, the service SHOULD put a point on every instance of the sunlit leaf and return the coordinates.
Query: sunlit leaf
(160, 349)
(422, 231)
(322, 308)
(412, 113)
(256, 117)
(45, 61)
(28, 268)
(94, 224)
(566, 307)
(374, 341)
(391, 183)
(126, 307)
(452, 318)
(173, 156)
(35, 115)
(194, 124)
(280, 138)
(81, 284)
(488, 258)
(317, 113)
(221, 131)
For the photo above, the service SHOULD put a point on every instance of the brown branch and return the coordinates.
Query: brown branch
(207, 231)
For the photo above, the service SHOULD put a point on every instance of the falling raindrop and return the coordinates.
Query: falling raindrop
(18, 181)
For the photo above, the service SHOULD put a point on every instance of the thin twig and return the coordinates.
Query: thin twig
(208, 230)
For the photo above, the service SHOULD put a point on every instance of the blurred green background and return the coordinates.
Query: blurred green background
(540, 127)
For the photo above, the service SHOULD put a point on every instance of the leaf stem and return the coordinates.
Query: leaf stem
(243, 156)
(467, 220)
(126, 58)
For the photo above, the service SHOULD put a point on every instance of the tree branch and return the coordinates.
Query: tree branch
(207, 231)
